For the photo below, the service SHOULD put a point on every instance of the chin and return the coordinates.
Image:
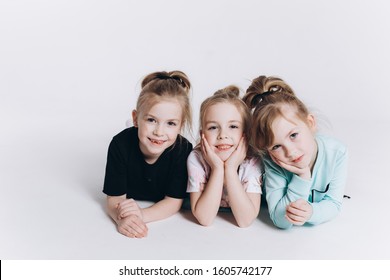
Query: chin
(225, 157)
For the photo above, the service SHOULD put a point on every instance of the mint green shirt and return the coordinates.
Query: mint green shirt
(324, 191)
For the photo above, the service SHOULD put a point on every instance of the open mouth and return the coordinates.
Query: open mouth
(157, 142)
(223, 147)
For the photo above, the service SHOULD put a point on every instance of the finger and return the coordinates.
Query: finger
(293, 221)
(140, 227)
(126, 231)
(130, 207)
(127, 203)
(129, 212)
(124, 212)
(132, 230)
(203, 145)
(206, 144)
(295, 211)
(301, 204)
(295, 218)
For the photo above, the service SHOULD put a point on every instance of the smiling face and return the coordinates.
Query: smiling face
(158, 128)
(294, 140)
(223, 128)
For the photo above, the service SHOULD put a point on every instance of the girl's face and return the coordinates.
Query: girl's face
(223, 128)
(294, 140)
(158, 128)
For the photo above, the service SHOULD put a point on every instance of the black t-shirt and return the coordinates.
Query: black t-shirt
(128, 173)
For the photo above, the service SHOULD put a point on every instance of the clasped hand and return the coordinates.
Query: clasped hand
(299, 212)
(130, 220)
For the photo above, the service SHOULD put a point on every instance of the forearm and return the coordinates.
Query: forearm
(245, 206)
(278, 198)
(324, 211)
(205, 205)
(162, 209)
(111, 206)
(329, 206)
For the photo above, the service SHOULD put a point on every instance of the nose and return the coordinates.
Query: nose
(290, 152)
(158, 130)
(222, 135)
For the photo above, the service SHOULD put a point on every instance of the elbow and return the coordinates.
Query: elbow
(246, 221)
(204, 218)
(283, 226)
(281, 223)
(244, 224)
(205, 221)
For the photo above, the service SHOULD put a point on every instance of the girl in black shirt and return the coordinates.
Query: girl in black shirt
(148, 160)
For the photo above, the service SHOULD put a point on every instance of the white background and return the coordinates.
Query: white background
(70, 73)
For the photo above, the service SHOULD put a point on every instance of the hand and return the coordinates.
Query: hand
(132, 226)
(128, 207)
(238, 155)
(298, 212)
(304, 172)
(209, 155)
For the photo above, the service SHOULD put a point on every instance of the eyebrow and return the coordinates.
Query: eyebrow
(154, 117)
(231, 121)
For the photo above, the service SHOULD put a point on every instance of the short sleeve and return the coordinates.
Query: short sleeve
(196, 172)
(250, 173)
(179, 175)
(115, 177)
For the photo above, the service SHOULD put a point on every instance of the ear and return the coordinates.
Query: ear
(311, 121)
(134, 115)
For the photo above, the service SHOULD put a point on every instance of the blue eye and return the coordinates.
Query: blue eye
(294, 135)
(275, 147)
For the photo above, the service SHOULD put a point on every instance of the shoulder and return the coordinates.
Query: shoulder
(128, 134)
(195, 159)
(125, 140)
(330, 144)
(251, 167)
(251, 162)
(195, 156)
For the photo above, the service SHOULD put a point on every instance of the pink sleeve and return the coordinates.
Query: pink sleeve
(196, 172)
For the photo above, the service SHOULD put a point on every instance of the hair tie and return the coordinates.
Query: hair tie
(259, 97)
(177, 79)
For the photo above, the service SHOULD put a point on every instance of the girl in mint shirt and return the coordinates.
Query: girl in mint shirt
(305, 173)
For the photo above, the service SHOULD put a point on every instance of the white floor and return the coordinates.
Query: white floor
(52, 207)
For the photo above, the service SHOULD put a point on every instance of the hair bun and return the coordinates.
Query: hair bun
(180, 77)
(263, 86)
(177, 76)
(231, 90)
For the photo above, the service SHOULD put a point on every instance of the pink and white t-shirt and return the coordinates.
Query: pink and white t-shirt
(249, 174)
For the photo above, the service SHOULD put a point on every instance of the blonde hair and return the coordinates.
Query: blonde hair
(231, 95)
(164, 85)
(266, 97)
